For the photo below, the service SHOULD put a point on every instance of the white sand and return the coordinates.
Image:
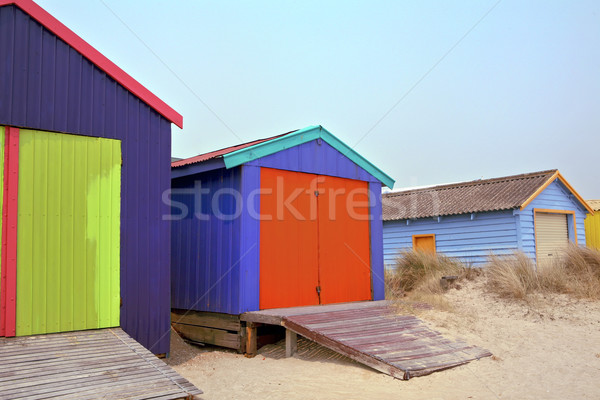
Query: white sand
(548, 350)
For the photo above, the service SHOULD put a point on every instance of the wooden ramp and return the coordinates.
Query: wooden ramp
(373, 334)
(104, 363)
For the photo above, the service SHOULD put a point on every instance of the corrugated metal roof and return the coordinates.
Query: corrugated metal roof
(465, 197)
(248, 152)
(595, 204)
(222, 152)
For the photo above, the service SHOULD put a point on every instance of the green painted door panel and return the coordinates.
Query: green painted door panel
(68, 248)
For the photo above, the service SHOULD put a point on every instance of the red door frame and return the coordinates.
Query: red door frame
(8, 278)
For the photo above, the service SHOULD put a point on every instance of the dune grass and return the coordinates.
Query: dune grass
(576, 272)
(417, 275)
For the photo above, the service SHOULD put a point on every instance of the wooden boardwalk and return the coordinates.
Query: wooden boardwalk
(373, 334)
(104, 363)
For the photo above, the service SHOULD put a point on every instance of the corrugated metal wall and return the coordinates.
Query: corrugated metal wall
(456, 236)
(592, 230)
(68, 233)
(554, 197)
(289, 240)
(376, 231)
(315, 157)
(205, 265)
(46, 85)
(344, 240)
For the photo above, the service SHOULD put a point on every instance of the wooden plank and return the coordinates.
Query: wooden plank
(243, 341)
(68, 365)
(206, 319)
(276, 314)
(374, 335)
(66, 368)
(251, 339)
(350, 352)
(260, 318)
(74, 353)
(217, 337)
(291, 343)
(28, 341)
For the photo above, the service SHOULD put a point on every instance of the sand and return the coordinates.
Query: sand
(547, 349)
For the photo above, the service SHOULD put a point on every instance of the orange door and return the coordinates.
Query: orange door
(288, 236)
(344, 241)
(424, 243)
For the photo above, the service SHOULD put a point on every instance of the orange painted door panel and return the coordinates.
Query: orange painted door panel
(344, 240)
(424, 243)
(289, 260)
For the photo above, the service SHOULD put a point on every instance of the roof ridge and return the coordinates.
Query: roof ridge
(447, 186)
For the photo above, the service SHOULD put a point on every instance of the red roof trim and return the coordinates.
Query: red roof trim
(97, 58)
(221, 152)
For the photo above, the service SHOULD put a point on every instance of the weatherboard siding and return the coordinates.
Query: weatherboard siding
(205, 242)
(553, 197)
(47, 85)
(459, 236)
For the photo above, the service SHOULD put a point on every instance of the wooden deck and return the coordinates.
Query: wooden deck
(373, 334)
(104, 363)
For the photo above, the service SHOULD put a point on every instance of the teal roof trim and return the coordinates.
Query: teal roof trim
(298, 137)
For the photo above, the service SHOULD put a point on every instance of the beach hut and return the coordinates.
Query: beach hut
(592, 226)
(538, 213)
(291, 220)
(86, 159)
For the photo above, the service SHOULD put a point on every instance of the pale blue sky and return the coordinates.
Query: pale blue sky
(520, 93)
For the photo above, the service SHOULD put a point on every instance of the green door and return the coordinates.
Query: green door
(68, 247)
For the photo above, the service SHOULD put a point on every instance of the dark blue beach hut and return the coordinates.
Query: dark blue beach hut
(86, 152)
(291, 220)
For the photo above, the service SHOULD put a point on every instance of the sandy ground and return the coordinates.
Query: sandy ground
(547, 349)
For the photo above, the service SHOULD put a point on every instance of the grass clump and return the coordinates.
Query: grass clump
(575, 272)
(512, 276)
(417, 275)
(581, 266)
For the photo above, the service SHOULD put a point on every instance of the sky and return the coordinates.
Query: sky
(429, 91)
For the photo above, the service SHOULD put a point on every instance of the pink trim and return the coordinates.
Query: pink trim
(10, 239)
(4, 249)
(60, 30)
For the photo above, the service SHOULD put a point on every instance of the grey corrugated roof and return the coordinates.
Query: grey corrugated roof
(595, 204)
(465, 197)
